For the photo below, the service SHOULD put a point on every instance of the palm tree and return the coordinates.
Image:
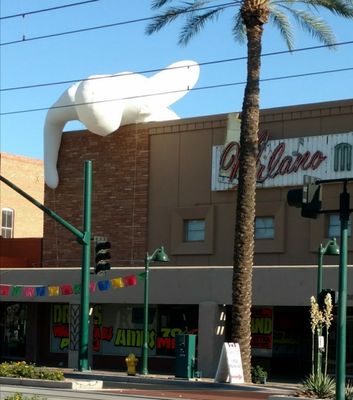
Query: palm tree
(250, 16)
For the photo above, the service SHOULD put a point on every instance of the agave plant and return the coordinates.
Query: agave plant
(319, 386)
(349, 391)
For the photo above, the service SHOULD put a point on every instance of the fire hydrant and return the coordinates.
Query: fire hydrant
(131, 362)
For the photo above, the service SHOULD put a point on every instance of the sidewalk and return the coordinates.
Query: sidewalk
(172, 381)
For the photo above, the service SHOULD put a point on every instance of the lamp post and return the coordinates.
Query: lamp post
(158, 255)
(330, 249)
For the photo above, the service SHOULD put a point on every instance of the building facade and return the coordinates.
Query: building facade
(19, 218)
(160, 184)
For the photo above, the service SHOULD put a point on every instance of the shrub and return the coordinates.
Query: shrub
(319, 386)
(19, 396)
(21, 369)
(258, 374)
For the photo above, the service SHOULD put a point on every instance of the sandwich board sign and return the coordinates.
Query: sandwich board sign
(230, 367)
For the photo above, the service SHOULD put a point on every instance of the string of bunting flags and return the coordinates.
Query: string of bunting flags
(69, 289)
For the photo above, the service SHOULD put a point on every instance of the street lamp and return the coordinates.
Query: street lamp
(158, 255)
(330, 249)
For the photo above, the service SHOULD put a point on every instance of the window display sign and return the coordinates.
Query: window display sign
(118, 329)
(262, 331)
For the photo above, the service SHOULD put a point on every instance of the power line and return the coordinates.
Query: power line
(205, 63)
(132, 21)
(178, 91)
(47, 9)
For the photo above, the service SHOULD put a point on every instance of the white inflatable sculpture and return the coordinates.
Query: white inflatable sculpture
(103, 103)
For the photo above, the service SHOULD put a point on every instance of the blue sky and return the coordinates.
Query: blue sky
(127, 48)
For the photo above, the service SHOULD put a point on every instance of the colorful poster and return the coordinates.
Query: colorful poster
(262, 331)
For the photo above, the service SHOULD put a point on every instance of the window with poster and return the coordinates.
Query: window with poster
(172, 321)
(13, 330)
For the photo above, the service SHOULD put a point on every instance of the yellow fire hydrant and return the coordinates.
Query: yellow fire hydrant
(131, 362)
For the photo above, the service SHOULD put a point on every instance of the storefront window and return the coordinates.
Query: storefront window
(13, 330)
(118, 329)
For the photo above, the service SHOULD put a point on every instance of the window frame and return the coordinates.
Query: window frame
(265, 228)
(6, 228)
(337, 226)
(188, 233)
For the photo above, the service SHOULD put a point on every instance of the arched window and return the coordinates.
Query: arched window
(7, 220)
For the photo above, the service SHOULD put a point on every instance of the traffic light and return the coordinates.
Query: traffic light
(322, 296)
(309, 199)
(102, 257)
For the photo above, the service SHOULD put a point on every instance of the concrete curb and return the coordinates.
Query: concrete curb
(284, 397)
(82, 384)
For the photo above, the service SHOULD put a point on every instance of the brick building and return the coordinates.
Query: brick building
(158, 184)
(19, 218)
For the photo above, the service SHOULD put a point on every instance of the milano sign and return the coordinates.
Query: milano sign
(284, 162)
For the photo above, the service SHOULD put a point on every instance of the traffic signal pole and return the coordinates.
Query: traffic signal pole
(342, 298)
(295, 198)
(84, 238)
(86, 263)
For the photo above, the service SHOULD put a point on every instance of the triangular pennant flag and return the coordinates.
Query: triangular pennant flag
(4, 290)
(53, 290)
(92, 287)
(28, 291)
(66, 289)
(141, 276)
(103, 285)
(130, 280)
(77, 288)
(40, 291)
(117, 283)
(16, 291)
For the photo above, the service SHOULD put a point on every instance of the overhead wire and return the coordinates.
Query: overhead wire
(47, 9)
(205, 63)
(182, 90)
(24, 39)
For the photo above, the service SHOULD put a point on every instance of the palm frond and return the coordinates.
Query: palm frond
(239, 29)
(342, 8)
(159, 3)
(195, 23)
(161, 20)
(315, 26)
(171, 14)
(282, 23)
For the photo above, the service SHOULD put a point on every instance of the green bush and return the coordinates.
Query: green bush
(258, 374)
(319, 386)
(21, 369)
(19, 396)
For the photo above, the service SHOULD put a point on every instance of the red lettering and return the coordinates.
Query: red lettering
(274, 160)
(61, 331)
(107, 333)
(278, 163)
(165, 343)
(317, 158)
(230, 160)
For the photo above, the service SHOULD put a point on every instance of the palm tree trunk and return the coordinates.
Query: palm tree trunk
(245, 211)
